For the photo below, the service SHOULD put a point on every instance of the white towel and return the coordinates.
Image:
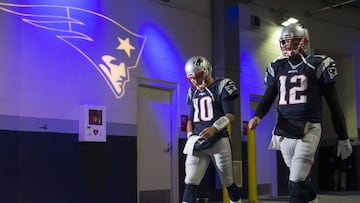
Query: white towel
(190, 143)
(275, 142)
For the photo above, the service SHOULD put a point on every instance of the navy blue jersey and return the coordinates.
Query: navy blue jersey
(299, 86)
(207, 106)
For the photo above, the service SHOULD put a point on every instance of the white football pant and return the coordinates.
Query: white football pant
(220, 154)
(299, 154)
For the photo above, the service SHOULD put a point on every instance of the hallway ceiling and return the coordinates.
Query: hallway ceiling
(340, 12)
(339, 4)
(354, 3)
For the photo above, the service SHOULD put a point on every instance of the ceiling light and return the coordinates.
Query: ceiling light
(289, 21)
(282, 17)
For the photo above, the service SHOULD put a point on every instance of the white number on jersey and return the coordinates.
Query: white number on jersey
(203, 109)
(294, 91)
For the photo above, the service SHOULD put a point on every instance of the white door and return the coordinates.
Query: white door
(154, 144)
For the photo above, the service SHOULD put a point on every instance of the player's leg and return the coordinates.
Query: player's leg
(299, 192)
(287, 148)
(300, 187)
(302, 192)
(222, 159)
(190, 193)
(234, 193)
(312, 194)
(195, 168)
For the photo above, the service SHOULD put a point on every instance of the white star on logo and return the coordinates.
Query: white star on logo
(125, 45)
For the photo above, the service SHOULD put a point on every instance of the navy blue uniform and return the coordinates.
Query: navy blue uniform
(209, 105)
(299, 86)
(299, 81)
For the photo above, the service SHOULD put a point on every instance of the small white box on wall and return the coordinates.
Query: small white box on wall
(92, 123)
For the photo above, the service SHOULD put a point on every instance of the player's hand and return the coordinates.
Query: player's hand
(208, 132)
(344, 149)
(254, 122)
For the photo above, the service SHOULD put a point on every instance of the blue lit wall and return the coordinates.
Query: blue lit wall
(57, 55)
(161, 46)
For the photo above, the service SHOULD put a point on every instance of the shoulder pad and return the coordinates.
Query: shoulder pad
(318, 59)
(321, 60)
(228, 84)
(189, 95)
(323, 63)
(279, 59)
(274, 65)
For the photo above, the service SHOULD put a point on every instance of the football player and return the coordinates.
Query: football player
(299, 80)
(212, 110)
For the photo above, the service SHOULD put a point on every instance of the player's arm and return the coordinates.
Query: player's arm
(337, 114)
(224, 121)
(228, 96)
(189, 128)
(228, 106)
(189, 124)
(264, 106)
(344, 147)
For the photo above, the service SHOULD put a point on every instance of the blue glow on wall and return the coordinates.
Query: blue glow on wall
(162, 48)
(107, 45)
(232, 13)
(249, 68)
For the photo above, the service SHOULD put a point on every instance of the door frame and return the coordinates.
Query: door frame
(173, 88)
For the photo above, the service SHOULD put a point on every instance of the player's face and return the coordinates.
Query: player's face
(199, 80)
(291, 43)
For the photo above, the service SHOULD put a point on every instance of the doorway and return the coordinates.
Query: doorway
(156, 144)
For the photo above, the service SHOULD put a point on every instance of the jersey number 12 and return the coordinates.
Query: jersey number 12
(294, 93)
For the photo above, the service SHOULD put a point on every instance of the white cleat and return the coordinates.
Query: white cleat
(239, 201)
(314, 200)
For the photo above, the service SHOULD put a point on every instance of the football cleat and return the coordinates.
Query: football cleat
(239, 201)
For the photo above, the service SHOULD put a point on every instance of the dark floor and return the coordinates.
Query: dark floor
(323, 197)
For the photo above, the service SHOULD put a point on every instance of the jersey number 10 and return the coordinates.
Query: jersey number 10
(203, 109)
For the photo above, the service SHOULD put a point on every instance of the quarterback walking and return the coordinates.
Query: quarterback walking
(299, 80)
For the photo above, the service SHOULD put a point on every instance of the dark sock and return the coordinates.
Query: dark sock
(299, 192)
(234, 192)
(190, 193)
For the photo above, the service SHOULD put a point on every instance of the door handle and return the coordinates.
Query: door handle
(167, 148)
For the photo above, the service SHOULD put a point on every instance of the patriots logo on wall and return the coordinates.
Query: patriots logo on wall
(110, 47)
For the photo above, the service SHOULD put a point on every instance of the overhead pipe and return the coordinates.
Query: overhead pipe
(330, 7)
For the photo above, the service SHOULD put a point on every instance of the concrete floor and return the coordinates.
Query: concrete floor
(332, 197)
(322, 198)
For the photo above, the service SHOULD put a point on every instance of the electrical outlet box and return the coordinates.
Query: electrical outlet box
(92, 123)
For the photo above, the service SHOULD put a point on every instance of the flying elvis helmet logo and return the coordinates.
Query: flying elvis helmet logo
(70, 24)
